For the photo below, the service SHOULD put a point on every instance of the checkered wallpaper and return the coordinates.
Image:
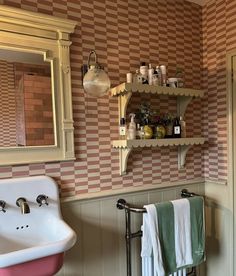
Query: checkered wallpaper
(219, 37)
(123, 33)
(7, 105)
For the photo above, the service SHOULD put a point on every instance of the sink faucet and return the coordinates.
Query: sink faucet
(24, 206)
(2, 206)
(42, 199)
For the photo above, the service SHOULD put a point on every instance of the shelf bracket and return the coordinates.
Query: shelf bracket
(124, 155)
(182, 103)
(182, 152)
(123, 101)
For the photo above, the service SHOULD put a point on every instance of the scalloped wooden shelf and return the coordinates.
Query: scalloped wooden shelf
(159, 90)
(126, 146)
(124, 92)
(157, 142)
(184, 96)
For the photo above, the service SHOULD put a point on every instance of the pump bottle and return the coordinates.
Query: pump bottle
(132, 128)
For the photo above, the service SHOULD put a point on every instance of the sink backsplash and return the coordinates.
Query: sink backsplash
(28, 188)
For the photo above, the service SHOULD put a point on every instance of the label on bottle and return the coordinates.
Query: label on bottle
(176, 129)
(122, 130)
(139, 79)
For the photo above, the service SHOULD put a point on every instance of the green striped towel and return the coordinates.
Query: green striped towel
(166, 225)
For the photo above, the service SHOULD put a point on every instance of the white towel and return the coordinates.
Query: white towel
(146, 252)
(183, 244)
(152, 264)
(150, 228)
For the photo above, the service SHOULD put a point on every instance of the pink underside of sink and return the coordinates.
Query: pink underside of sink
(47, 266)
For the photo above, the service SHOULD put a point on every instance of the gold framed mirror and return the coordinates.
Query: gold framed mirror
(35, 88)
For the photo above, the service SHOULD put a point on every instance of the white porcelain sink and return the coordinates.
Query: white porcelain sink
(30, 238)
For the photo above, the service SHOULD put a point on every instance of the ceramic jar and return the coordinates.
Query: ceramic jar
(160, 132)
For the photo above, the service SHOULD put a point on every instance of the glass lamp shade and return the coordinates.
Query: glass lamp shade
(96, 82)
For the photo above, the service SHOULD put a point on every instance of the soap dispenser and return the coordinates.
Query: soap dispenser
(132, 128)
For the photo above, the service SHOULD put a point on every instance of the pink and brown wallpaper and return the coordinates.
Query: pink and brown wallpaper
(123, 33)
(219, 37)
(7, 105)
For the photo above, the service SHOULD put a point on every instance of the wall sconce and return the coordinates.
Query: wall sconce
(96, 82)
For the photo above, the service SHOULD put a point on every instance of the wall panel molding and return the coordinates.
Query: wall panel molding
(128, 190)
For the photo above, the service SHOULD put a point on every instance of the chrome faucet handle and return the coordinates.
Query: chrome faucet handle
(42, 200)
(2, 206)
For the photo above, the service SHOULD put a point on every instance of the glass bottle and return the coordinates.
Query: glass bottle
(183, 127)
(137, 77)
(155, 78)
(122, 129)
(144, 72)
(176, 128)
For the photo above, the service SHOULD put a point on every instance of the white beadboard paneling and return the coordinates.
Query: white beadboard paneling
(100, 227)
(109, 237)
(74, 257)
(219, 218)
(92, 242)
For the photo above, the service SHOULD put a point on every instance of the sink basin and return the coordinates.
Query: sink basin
(32, 243)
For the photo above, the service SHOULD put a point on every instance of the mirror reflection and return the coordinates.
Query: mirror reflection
(26, 102)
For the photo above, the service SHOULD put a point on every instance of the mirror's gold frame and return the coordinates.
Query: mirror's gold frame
(47, 35)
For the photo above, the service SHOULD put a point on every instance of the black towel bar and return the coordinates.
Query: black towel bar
(122, 204)
(186, 193)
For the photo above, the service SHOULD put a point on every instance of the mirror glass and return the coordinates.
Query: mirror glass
(26, 100)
